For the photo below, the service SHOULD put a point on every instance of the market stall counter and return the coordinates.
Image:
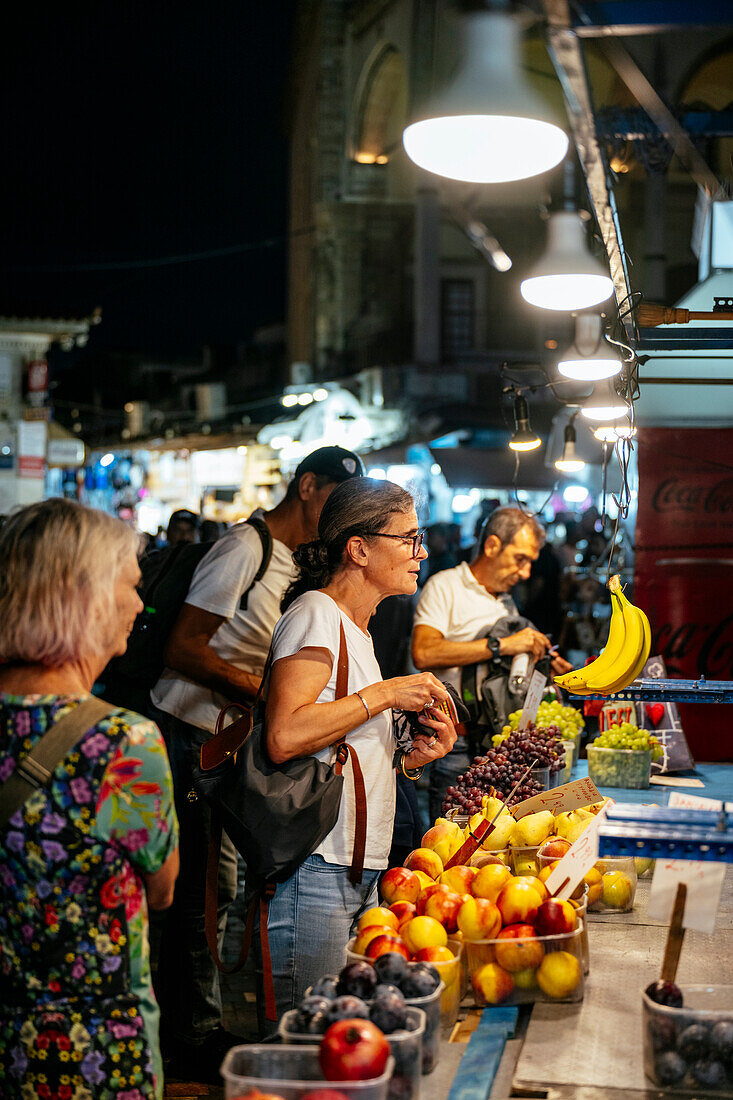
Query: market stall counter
(593, 1049)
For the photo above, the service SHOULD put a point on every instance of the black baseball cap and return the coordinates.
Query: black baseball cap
(183, 515)
(336, 463)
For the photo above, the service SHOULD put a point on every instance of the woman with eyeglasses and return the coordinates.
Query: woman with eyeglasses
(368, 547)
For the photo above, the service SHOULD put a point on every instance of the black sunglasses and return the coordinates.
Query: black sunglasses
(416, 540)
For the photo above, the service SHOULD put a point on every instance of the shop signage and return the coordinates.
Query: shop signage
(37, 381)
(65, 452)
(32, 448)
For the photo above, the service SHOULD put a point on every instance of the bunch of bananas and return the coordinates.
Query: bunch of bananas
(624, 656)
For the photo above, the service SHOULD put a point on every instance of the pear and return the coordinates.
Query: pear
(571, 824)
(490, 807)
(498, 838)
(531, 830)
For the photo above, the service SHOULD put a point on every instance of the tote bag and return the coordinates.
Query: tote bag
(276, 815)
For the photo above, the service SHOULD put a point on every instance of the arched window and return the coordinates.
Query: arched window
(381, 107)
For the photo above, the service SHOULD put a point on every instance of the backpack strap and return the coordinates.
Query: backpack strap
(35, 770)
(266, 539)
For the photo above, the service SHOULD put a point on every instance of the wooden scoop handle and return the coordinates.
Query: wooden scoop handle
(675, 936)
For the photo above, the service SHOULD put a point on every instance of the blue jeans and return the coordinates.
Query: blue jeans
(187, 983)
(310, 920)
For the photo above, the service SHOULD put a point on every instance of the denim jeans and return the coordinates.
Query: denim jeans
(310, 919)
(187, 983)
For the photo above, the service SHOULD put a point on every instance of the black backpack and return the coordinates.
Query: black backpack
(166, 579)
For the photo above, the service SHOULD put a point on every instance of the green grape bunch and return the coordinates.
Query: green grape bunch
(628, 736)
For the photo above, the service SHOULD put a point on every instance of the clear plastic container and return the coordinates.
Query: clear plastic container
(618, 885)
(569, 747)
(563, 980)
(581, 905)
(541, 774)
(630, 768)
(479, 857)
(684, 1061)
(524, 859)
(290, 1072)
(406, 1047)
(430, 1005)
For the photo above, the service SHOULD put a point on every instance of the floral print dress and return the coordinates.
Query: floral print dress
(78, 1018)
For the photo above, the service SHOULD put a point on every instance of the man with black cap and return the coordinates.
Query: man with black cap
(183, 526)
(215, 655)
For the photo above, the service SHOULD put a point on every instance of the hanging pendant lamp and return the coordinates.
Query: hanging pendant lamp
(570, 461)
(487, 126)
(524, 439)
(604, 403)
(567, 277)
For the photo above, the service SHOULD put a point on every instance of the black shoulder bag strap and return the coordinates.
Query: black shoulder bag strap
(266, 539)
(36, 769)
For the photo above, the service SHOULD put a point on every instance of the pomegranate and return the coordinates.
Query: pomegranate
(353, 1050)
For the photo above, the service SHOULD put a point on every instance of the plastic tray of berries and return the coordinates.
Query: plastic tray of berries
(365, 990)
(403, 1026)
(525, 970)
(688, 1038)
(502, 767)
(292, 1073)
(617, 885)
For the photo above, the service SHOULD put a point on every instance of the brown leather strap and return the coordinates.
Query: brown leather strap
(212, 906)
(267, 982)
(343, 752)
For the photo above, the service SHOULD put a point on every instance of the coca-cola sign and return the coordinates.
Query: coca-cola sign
(676, 495)
(685, 488)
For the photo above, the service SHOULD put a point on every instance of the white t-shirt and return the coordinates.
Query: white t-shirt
(313, 620)
(244, 639)
(454, 603)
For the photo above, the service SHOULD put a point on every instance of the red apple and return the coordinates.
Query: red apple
(422, 901)
(379, 914)
(434, 955)
(365, 937)
(518, 902)
(554, 917)
(403, 910)
(382, 944)
(519, 948)
(399, 884)
(492, 984)
(443, 905)
(425, 860)
(353, 1050)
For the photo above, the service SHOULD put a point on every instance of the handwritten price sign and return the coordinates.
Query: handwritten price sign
(577, 861)
(704, 880)
(581, 792)
(532, 700)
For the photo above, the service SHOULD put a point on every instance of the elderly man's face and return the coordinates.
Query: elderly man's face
(511, 563)
(182, 531)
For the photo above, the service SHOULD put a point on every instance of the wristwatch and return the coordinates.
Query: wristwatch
(494, 646)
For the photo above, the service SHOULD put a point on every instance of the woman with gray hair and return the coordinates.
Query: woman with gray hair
(85, 855)
(368, 547)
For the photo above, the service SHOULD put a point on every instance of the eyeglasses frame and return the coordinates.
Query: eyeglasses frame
(417, 540)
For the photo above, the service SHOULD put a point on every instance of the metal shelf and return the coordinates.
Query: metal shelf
(673, 691)
(659, 832)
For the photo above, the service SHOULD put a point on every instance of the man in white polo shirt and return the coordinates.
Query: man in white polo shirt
(215, 655)
(459, 608)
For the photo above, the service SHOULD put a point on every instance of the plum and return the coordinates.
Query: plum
(391, 968)
(388, 1012)
(310, 1016)
(324, 987)
(670, 1068)
(663, 1033)
(385, 987)
(347, 1008)
(665, 993)
(400, 1088)
(709, 1073)
(357, 979)
(693, 1043)
(721, 1041)
(421, 980)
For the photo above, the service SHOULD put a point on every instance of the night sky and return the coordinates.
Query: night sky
(139, 131)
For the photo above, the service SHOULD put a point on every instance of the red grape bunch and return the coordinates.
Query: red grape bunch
(502, 767)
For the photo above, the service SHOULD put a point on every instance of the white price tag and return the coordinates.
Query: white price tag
(577, 861)
(532, 700)
(581, 792)
(704, 880)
